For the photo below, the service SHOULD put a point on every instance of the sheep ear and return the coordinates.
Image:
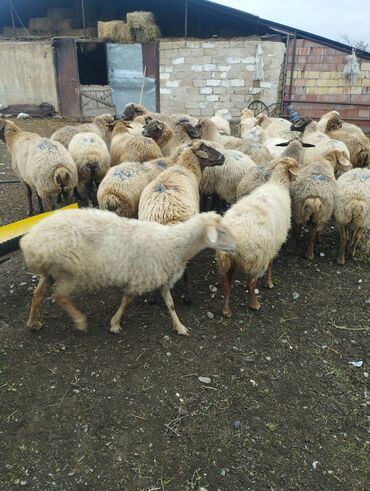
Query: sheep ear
(201, 153)
(308, 145)
(293, 171)
(212, 234)
(344, 162)
(283, 144)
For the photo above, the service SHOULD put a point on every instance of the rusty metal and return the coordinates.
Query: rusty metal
(151, 62)
(67, 78)
(337, 103)
(284, 75)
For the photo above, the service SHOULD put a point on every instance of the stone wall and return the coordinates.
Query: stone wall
(319, 84)
(200, 76)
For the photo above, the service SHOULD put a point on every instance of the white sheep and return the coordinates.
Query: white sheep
(352, 208)
(44, 166)
(260, 224)
(312, 195)
(101, 125)
(92, 159)
(121, 188)
(222, 120)
(127, 147)
(89, 249)
(223, 181)
(247, 121)
(173, 196)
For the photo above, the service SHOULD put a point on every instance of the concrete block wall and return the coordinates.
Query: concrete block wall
(200, 76)
(319, 83)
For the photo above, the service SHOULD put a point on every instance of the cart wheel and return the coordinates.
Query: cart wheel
(258, 107)
(274, 110)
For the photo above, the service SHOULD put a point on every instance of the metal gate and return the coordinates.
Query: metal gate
(133, 74)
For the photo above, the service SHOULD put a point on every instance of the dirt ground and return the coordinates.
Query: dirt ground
(284, 409)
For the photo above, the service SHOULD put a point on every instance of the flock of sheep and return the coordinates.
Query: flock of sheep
(158, 172)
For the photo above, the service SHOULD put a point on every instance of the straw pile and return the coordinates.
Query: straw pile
(43, 25)
(114, 30)
(60, 13)
(142, 26)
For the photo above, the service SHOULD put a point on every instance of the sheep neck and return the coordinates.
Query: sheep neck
(166, 136)
(190, 161)
(209, 130)
(11, 131)
(280, 175)
(194, 230)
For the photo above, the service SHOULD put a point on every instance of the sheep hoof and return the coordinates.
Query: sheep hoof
(255, 306)
(186, 300)
(269, 285)
(226, 313)
(81, 325)
(115, 328)
(181, 330)
(341, 260)
(34, 326)
(310, 257)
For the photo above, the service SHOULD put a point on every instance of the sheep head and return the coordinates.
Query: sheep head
(132, 110)
(192, 131)
(207, 156)
(289, 165)
(224, 114)
(153, 128)
(105, 120)
(217, 235)
(246, 114)
(296, 140)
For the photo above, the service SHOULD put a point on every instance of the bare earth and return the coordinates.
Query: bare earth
(284, 410)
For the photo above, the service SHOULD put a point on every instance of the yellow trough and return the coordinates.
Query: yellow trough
(11, 233)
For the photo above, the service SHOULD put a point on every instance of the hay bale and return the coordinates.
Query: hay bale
(66, 26)
(142, 26)
(114, 30)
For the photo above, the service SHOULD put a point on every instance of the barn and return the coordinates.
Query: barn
(207, 57)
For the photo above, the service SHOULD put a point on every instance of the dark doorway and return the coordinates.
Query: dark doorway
(92, 63)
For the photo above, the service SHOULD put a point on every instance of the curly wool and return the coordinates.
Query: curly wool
(91, 156)
(121, 188)
(100, 126)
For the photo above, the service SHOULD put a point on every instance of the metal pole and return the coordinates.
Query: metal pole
(292, 66)
(12, 17)
(83, 17)
(186, 20)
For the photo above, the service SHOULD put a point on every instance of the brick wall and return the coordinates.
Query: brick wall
(200, 76)
(319, 84)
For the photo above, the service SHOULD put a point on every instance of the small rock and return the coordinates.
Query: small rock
(256, 291)
(366, 374)
(222, 472)
(249, 359)
(210, 315)
(356, 363)
(204, 380)
(23, 116)
(315, 463)
(166, 338)
(322, 254)
(268, 358)
(295, 295)
(253, 382)
(236, 424)
(3, 326)
(23, 483)
(213, 288)
(203, 489)
(23, 283)
(168, 353)
(360, 281)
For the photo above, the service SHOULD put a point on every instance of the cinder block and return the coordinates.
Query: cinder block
(213, 83)
(206, 90)
(178, 61)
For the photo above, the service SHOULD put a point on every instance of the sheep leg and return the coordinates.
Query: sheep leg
(34, 323)
(40, 203)
(296, 230)
(228, 278)
(116, 319)
(29, 200)
(187, 296)
(356, 236)
(342, 245)
(167, 297)
(78, 317)
(311, 242)
(254, 303)
(153, 297)
(269, 283)
(77, 194)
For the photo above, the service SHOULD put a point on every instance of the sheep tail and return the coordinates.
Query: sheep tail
(334, 123)
(62, 178)
(356, 209)
(92, 167)
(312, 208)
(109, 202)
(225, 261)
